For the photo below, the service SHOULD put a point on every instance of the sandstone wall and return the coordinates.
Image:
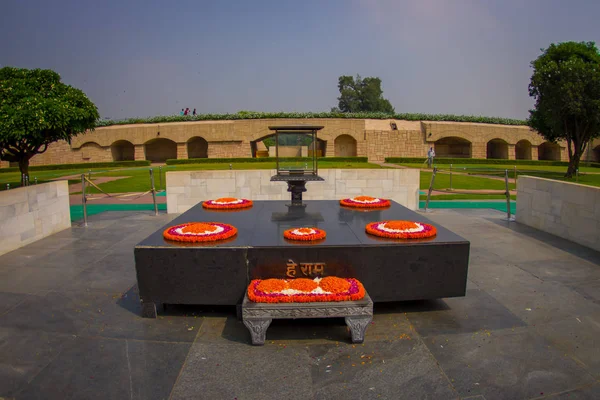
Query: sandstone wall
(382, 144)
(375, 139)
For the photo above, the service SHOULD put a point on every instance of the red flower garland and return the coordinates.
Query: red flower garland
(401, 229)
(336, 289)
(365, 202)
(227, 203)
(200, 232)
(305, 234)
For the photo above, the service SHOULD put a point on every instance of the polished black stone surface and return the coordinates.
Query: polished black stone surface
(263, 224)
(218, 273)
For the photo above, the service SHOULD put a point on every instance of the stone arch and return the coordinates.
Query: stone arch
(197, 147)
(596, 154)
(92, 151)
(344, 146)
(122, 150)
(549, 151)
(265, 147)
(497, 148)
(160, 150)
(452, 147)
(523, 150)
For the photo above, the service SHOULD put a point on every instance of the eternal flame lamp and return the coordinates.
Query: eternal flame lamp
(296, 153)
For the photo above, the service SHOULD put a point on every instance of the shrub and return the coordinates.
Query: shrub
(141, 163)
(445, 161)
(312, 115)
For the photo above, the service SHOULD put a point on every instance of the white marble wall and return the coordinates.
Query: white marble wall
(30, 213)
(187, 188)
(563, 209)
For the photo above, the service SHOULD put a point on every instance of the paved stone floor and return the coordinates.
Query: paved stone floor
(528, 328)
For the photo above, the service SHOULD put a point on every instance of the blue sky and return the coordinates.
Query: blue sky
(144, 58)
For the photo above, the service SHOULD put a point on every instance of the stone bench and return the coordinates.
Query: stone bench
(258, 316)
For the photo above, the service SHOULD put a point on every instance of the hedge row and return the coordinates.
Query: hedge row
(312, 115)
(261, 159)
(141, 163)
(439, 160)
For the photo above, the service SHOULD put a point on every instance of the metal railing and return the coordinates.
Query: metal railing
(87, 180)
(474, 171)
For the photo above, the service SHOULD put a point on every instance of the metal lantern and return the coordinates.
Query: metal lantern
(296, 149)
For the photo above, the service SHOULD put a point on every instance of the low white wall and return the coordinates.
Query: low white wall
(31, 213)
(185, 189)
(564, 209)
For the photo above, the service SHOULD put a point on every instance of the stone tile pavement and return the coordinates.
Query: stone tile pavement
(529, 328)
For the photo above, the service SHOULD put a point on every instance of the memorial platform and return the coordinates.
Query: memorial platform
(218, 273)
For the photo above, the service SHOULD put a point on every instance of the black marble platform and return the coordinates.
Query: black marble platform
(218, 273)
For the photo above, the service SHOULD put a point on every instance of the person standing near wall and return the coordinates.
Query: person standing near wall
(432, 156)
(194, 112)
(429, 157)
(181, 112)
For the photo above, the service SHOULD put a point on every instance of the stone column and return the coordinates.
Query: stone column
(182, 152)
(535, 155)
(139, 152)
(512, 152)
(564, 154)
(479, 150)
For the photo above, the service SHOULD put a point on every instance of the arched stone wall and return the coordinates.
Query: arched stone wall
(235, 138)
(197, 147)
(452, 147)
(122, 150)
(523, 150)
(596, 154)
(345, 146)
(160, 150)
(549, 151)
(93, 152)
(497, 149)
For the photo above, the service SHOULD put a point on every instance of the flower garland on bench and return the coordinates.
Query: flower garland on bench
(304, 290)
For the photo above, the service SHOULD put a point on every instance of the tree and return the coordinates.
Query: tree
(566, 87)
(360, 94)
(37, 109)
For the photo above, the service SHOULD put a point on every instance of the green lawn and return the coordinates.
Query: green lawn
(139, 179)
(14, 178)
(588, 175)
(510, 168)
(442, 181)
(466, 197)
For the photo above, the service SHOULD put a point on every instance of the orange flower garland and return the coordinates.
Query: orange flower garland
(227, 203)
(306, 234)
(365, 202)
(272, 285)
(301, 291)
(401, 229)
(200, 232)
(334, 284)
(303, 284)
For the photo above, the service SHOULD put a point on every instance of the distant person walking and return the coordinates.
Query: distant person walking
(186, 112)
(194, 112)
(181, 112)
(430, 157)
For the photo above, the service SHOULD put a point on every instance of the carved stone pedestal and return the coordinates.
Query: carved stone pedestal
(258, 316)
